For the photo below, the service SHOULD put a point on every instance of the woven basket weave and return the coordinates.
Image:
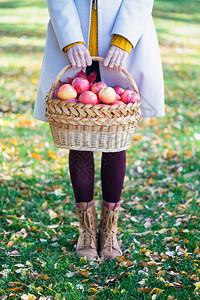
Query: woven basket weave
(91, 127)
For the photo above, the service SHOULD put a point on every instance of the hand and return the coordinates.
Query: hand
(79, 56)
(115, 58)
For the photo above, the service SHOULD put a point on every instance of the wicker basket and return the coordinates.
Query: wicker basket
(91, 127)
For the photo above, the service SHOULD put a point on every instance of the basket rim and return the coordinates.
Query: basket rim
(94, 58)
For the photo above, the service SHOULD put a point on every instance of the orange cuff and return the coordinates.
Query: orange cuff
(71, 45)
(121, 42)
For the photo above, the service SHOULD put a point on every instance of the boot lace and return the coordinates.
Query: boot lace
(109, 230)
(88, 234)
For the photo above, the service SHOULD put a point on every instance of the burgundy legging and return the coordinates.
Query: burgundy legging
(113, 168)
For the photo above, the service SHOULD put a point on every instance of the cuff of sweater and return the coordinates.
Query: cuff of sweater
(121, 42)
(71, 45)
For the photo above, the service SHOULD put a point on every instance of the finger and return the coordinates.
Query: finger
(112, 61)
(118, 61)
(108, 57)
(77, 60)
(88, 59)
(114, 56)
(71, 59)
(122, 61)
(82, 59)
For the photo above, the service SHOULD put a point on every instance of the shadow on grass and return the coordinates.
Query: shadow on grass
(8, 29)
(17, 4)
(178, 10)
(22, 49)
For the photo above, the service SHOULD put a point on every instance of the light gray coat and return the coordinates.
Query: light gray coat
(70, 23)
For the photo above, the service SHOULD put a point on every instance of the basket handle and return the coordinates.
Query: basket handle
(94, 58)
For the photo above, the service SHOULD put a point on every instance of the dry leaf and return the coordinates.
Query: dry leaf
(197, 286)
(44, 205)
(10, 244)
(52, 214)
(156, 291)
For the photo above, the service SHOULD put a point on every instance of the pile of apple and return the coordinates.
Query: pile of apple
(83, 89)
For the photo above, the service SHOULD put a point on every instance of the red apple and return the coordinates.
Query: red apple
(118, 98)
(55, 95)
(119, 91)
(81, 84)
(127, 95)
(107, 95)
(88, 97)
(134, 98)
(66, 91)
(71, 100)
(96, 87)
(118, 102)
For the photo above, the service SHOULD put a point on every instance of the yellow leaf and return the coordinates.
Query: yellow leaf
(150, 181)
(44, 205)
(10, 244)
(85, 280)
(144, 289)
(197, 286)
(115, 291)
(35, 155)
(31, 297)
(189, 153)
(51, 154)
(83, 259)
(196, 251)
(43, 276)
(157, 291)
(139, 207)
(183, 206)
(161, 272)
(58, 296)
(37, 150)
(34, 80)
(16, 289)
(63, 160)
(93, 290)
(162, 279)
(85, 273)
(52, 214)
(143, 250)
(184, 273)
(163, 230)
(120, 258)
(151, 263)
(169, 284)
(137, 136)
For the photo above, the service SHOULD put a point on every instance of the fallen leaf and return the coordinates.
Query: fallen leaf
(16, 289)
(52, 214)
(14, 253)
(197, 286)
(10, 244)
(156, 291)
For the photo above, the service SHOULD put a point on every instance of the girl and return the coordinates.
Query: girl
(123, 32)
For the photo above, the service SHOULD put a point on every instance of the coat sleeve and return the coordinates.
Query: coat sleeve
(65, 21)
(132, 19)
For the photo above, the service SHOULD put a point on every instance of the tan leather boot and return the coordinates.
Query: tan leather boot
(109, 246)
(87, 243)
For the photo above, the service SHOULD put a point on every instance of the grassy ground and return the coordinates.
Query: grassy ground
(159, 221)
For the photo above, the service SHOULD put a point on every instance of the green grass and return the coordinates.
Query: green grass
(159, 221)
